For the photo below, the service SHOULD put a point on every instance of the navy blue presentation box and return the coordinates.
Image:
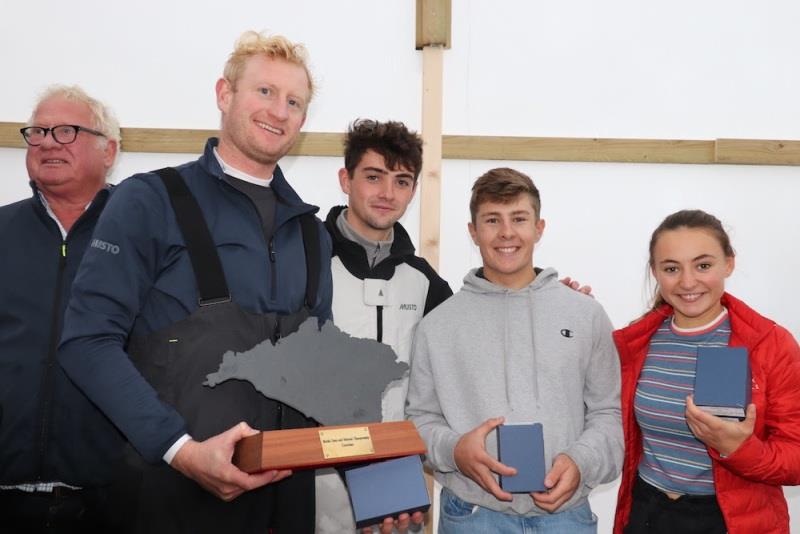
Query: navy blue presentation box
(722, 381)
(522, 446)
(387, 489)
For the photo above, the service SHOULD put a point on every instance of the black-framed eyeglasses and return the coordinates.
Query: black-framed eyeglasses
(63, 133)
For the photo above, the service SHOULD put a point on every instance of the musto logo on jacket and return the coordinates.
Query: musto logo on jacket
(105, 246)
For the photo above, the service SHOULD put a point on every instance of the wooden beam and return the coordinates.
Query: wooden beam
(433, 23)
(432, 37)
(431, 175)
(178, 141)
(319, 144)
(578, 149)
(757, 152)
(166, 140)
(723, 151)
(10, 136)
(192, 141)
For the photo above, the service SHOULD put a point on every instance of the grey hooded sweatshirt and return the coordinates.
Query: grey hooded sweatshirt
(541, 354)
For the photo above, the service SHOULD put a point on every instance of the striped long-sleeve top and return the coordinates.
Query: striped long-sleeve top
(674, 460)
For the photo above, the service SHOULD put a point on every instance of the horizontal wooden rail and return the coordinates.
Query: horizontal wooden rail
(757, 152)
(728, 151)
(578, 149)
(171, 140)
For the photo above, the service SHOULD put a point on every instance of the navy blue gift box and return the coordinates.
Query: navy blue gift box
(387, 489)
(521, 446)
(722, 381)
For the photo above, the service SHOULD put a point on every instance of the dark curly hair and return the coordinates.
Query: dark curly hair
(392, 140)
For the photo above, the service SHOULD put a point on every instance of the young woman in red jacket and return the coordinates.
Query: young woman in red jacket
(685, 470)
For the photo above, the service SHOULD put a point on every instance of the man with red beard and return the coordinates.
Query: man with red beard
(217, 254)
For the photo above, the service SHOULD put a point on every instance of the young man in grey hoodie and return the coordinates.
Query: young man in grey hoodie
(515, 345)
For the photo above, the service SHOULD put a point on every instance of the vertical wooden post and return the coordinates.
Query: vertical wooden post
(431, 175)
(433, 37)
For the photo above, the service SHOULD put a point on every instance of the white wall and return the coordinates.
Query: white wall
(620, 68)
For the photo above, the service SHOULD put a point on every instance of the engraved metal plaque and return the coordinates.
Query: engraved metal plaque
(345, 442)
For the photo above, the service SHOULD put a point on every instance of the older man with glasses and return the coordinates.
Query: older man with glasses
(57, 450)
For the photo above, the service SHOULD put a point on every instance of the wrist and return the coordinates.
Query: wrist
(175, 447)
(182, 458)
(726, 449)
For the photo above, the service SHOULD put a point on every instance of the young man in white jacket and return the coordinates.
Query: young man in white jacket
(515, 345)
(380, 288)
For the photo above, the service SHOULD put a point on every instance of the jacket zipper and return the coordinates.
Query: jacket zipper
(48, 375)
(273, 271)
(379, 312)
(270, 245)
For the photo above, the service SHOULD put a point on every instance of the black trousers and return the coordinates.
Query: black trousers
(62, 511)
(652, 512)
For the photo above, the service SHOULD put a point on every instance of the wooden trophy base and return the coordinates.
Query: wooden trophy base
(326, 446)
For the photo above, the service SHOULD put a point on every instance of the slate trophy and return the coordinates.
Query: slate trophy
(334, 378)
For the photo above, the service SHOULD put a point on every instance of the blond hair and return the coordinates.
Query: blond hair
(252, 43)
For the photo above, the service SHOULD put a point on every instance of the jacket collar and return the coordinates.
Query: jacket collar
(289, 203)
(354, 257)
(747, 325)
(93, 210)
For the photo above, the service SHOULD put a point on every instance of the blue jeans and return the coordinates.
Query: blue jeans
(460, 517)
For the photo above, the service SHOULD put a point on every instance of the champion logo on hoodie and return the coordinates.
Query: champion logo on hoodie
(566, 332)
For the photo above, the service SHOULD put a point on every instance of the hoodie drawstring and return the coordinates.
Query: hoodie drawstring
(506, 344)
(535, 377)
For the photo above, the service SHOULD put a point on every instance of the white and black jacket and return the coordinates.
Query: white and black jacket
(384, 302)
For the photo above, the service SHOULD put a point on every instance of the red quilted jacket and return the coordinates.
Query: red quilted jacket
(748, 482)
